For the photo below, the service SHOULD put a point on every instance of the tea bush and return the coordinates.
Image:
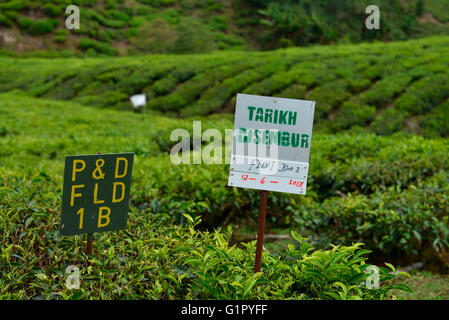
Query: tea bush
(425, 94)
(353, 113)
(38, 27)
(100, 47)
(299, 273)
(4, 21)
(155, 259)
(436, 123)
(411, 221)
(383, 91)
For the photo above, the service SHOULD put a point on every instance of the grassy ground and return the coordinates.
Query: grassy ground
(426, 286)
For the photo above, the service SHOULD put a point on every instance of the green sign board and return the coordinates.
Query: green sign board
(95, 195)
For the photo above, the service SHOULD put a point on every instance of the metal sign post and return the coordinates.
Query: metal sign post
(261, 229)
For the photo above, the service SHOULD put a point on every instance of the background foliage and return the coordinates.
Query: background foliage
(119, 26)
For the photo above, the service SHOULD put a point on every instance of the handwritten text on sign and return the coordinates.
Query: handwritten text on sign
(96, 193)
(268, 174)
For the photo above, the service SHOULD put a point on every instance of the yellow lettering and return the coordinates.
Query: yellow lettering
(102, 216)
(96, 201)
(74, 194)
(117, 175)
(75, 169)
(114, 192)
(81, 214)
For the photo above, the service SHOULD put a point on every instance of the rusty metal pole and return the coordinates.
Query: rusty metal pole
(90, 239)
(261, 229)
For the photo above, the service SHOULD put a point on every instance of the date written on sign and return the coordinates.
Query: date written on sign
(269, 182)
(96, 193)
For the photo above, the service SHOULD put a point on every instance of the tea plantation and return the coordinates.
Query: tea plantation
(378, 185)
(395, 201)
(379, 88)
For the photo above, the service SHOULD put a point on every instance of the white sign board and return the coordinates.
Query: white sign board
(271, 143)
(139, 100)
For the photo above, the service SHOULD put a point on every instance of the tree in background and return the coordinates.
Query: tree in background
(194, 37)
(298, 22)
(188, 36)
(155, 36)
(302, 22)
(420, 8)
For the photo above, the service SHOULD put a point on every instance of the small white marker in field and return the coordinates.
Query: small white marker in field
(139, 100)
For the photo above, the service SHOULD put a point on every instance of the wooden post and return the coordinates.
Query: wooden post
(90, 239)
(261, 229)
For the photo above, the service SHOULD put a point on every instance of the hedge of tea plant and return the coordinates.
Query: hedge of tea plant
(379, 88)
(360, 185)
(156, 257)
(409, 224)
